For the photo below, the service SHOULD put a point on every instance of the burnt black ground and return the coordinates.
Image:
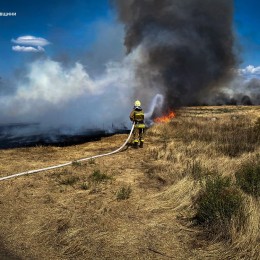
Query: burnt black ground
(20, 135)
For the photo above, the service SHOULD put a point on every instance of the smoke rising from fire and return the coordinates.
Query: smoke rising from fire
(240, 91)
(189, 45)
(56, 96)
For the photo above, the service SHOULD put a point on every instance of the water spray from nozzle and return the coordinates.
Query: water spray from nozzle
(156, 106)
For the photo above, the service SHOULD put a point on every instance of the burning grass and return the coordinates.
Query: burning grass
(165, 119)
(192, 192)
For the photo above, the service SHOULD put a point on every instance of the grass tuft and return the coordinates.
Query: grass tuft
(97, 176)
(84, 186)
(248, 178)
(196, 170)
(69, 180)
(124, 193)
(76, 164)
(92, 161)
(217, 204)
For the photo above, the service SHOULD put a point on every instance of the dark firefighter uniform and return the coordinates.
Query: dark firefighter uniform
(137, 116)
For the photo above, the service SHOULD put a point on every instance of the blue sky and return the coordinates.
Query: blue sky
(70, 28)
(247, 21)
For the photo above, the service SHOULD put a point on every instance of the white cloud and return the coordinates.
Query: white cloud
(31, 40)
(250, 71)
(19, 48)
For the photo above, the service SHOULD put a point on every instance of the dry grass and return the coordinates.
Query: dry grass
(89, 211)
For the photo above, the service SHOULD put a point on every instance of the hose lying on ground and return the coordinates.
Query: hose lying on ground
(66, 164)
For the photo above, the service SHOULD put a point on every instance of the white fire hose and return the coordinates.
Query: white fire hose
(66, 164)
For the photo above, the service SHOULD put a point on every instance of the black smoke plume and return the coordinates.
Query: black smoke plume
(189, 45)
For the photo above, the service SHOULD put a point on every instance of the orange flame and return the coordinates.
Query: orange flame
(165, 119)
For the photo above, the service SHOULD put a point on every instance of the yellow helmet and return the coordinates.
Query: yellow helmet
(137, 103)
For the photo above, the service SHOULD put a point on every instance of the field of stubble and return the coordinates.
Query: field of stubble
(191, 193)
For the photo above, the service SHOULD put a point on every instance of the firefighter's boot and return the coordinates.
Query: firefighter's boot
(135, 145)
(141, 144)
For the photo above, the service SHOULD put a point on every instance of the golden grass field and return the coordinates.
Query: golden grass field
(137, 204)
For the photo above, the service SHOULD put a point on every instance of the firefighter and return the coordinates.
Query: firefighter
(137, 117)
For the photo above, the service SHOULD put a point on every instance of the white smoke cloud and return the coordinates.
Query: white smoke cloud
(31, 40)
(58, 97)
(19, 48)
